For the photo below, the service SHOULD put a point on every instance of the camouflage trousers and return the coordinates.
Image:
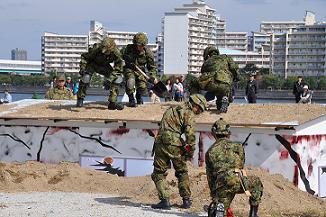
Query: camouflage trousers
(135, 82)
(164, 154)
(105, 71)
(228, 185)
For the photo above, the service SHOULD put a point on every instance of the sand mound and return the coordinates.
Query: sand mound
(280, 197)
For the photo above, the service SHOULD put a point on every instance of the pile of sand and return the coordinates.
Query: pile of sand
(280, 197)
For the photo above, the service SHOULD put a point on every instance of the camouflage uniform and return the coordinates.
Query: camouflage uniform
(145, 60)
(222, 159)
(169, 146)
(57, 94)
(98, 59)
(217, 74)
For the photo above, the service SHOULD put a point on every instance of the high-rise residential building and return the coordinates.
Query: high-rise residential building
(61, 53)
(187, 31)
(278, 27)
(301, 51)
(18, 54)
(236, 41)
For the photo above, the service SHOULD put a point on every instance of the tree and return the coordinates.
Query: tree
(288, 82)
(312, 82)
(322, 83)
(272, 81)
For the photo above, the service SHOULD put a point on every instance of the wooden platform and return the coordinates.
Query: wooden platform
(56, 113)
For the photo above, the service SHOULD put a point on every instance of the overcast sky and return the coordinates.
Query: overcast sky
(23, 22)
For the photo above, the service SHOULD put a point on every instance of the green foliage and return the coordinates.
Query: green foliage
(288, 83)
(322, 83)
(312, 82)
(271, 81)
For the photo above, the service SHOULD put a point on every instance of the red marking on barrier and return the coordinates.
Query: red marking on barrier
(229, 213)
(119, 131)
(201, 152)
(296, 176)
(312, 140)
(310, 167)
(284, 154)
(54, 130)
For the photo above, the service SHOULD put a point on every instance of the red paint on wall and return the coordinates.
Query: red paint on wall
(310, 167)
(201, 152)
(119, 131)
(296, 176)
(284, 154)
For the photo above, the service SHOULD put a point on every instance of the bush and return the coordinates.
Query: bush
(322, 83)
(271, 81)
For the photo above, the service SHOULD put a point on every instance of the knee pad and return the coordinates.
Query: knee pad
(86, 78)
(131, 83)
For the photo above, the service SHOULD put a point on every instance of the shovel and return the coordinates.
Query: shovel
(159, 88)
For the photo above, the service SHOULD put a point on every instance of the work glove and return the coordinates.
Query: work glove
(188, 151)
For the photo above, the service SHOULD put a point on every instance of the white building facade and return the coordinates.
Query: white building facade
(20, 67)
(302, 51)
(61, 53)
(186, 33)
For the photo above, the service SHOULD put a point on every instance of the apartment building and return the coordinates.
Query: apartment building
(187, 31)
(301, 51)
(61, 53)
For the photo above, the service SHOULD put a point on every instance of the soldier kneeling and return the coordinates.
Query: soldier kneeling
(225, 174)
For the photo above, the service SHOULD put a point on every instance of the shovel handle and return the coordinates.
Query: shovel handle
(141, 72)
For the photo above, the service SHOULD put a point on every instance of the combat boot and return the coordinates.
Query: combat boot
(225, 104)
(186, 203)
(115, 106)
(80, 102)
(132, 102)
(253, 211)
(139, 99)
(163, 204)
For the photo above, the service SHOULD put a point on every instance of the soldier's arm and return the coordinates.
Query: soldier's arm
(234, 68)
(151, 66)
(48, 94)
(83, 61)
(118, 66)
(189, 128)
(238, 148)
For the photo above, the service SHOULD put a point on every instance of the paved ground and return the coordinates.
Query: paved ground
(54, 204)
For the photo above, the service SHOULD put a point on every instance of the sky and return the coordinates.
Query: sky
(23, 22)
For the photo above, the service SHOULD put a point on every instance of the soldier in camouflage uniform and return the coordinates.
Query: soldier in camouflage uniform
(217, 75)
(170, 147)
(59, 92)
(138, 54)
(224, 163)
(98, 59)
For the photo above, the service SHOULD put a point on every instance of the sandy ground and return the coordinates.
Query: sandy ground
(280, 197)
(238, 114)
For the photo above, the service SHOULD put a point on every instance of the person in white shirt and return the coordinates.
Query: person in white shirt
(306, 96)
(178, 90)
(7, 97)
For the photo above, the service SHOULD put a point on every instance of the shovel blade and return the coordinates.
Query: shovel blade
(160, 89)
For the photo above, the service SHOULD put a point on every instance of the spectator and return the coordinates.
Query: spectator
(306, 96)
(154, 97)
(7, 97)
(178, 90)
(298, 88)
(53, 82)
(169, 88)
(69, 84)
(76, 86)
(251, 89)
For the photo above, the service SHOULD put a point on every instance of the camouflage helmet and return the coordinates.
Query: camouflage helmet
(108, 45)
(220, 127)
(199, 100)
(140, 39)
(208, 50)
(61, 77)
